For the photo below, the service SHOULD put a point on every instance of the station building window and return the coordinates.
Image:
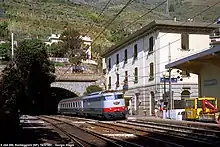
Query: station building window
(117, 59)
(151, 44)
(109, 82)
(135, 51)
(109, 63)
(126, 56)
(185, 41)
(151, 71)
(136, 75)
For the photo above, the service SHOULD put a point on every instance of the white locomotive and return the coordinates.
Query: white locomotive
(104, 104)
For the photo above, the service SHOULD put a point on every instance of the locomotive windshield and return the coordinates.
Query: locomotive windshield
(119, 96)
(114, 97)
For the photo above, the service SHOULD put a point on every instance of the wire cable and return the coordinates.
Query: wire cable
(147, 13)
(110, 22)
(161, 62)
(119, 14)
(156, 74)
(170, 44)
(197, 15)
(98, 16)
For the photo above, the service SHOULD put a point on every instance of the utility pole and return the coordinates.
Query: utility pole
(12, 45)
(167, 8)
(164, 87)
(170, 91)
(170, 85)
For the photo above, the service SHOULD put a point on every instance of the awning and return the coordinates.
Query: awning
(195, 62)
(127, 96)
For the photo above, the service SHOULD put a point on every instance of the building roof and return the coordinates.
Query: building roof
(158, 24)
(194, 62)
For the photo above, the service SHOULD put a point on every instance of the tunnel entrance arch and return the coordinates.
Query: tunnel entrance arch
(57, 94)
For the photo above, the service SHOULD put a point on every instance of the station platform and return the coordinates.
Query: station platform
(34, 131)
(175, 122)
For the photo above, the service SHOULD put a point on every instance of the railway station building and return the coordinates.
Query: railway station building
(205, 64)
(136, 65)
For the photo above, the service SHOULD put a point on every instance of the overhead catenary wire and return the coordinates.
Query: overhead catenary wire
(158, 63)
(170, 44)
(98, 17)
(132, 22)
(164, 34)
(110, 22)
(151, 10)
(197, 15)
(162, 4)
(155, 74)
(94, 23)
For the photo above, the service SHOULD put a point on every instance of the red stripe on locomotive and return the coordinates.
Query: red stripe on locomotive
(115, 109)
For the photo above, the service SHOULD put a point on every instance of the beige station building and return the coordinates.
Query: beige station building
(136, 65)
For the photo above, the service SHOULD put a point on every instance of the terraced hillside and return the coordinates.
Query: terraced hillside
(40, 18)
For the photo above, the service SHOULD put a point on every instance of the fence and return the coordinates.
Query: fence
(61, 60)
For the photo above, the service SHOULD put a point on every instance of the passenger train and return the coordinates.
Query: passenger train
(104, 104)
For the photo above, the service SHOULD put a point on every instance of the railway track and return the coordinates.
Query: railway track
(162, 133)
(201, 132)
(202, 125)
(161, 137)
(113, 130)
(84, 137)
(190, 135)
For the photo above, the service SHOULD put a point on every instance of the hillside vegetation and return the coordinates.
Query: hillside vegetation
(40, 18)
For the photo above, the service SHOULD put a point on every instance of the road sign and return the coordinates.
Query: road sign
(125, 87)
(166, 80)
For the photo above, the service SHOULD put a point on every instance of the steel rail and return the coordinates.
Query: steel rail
(113, 141)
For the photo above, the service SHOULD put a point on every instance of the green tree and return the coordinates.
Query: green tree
(71, 42)
(71, 46)
(52, 49)
(93, 88)
(36, 74)
(27, 79)
(10, 89)
(117, 34)
(25, 83)
(4, 32)
(5, 51)
(171, 8)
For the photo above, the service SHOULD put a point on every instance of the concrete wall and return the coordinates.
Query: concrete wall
(77, 87)
(146, 100)
(197, 43)
(210, 82)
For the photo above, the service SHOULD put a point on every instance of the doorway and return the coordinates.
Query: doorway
(138, 103)
(152, 99)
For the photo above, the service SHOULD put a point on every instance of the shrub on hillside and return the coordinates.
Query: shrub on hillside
(93, 88)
